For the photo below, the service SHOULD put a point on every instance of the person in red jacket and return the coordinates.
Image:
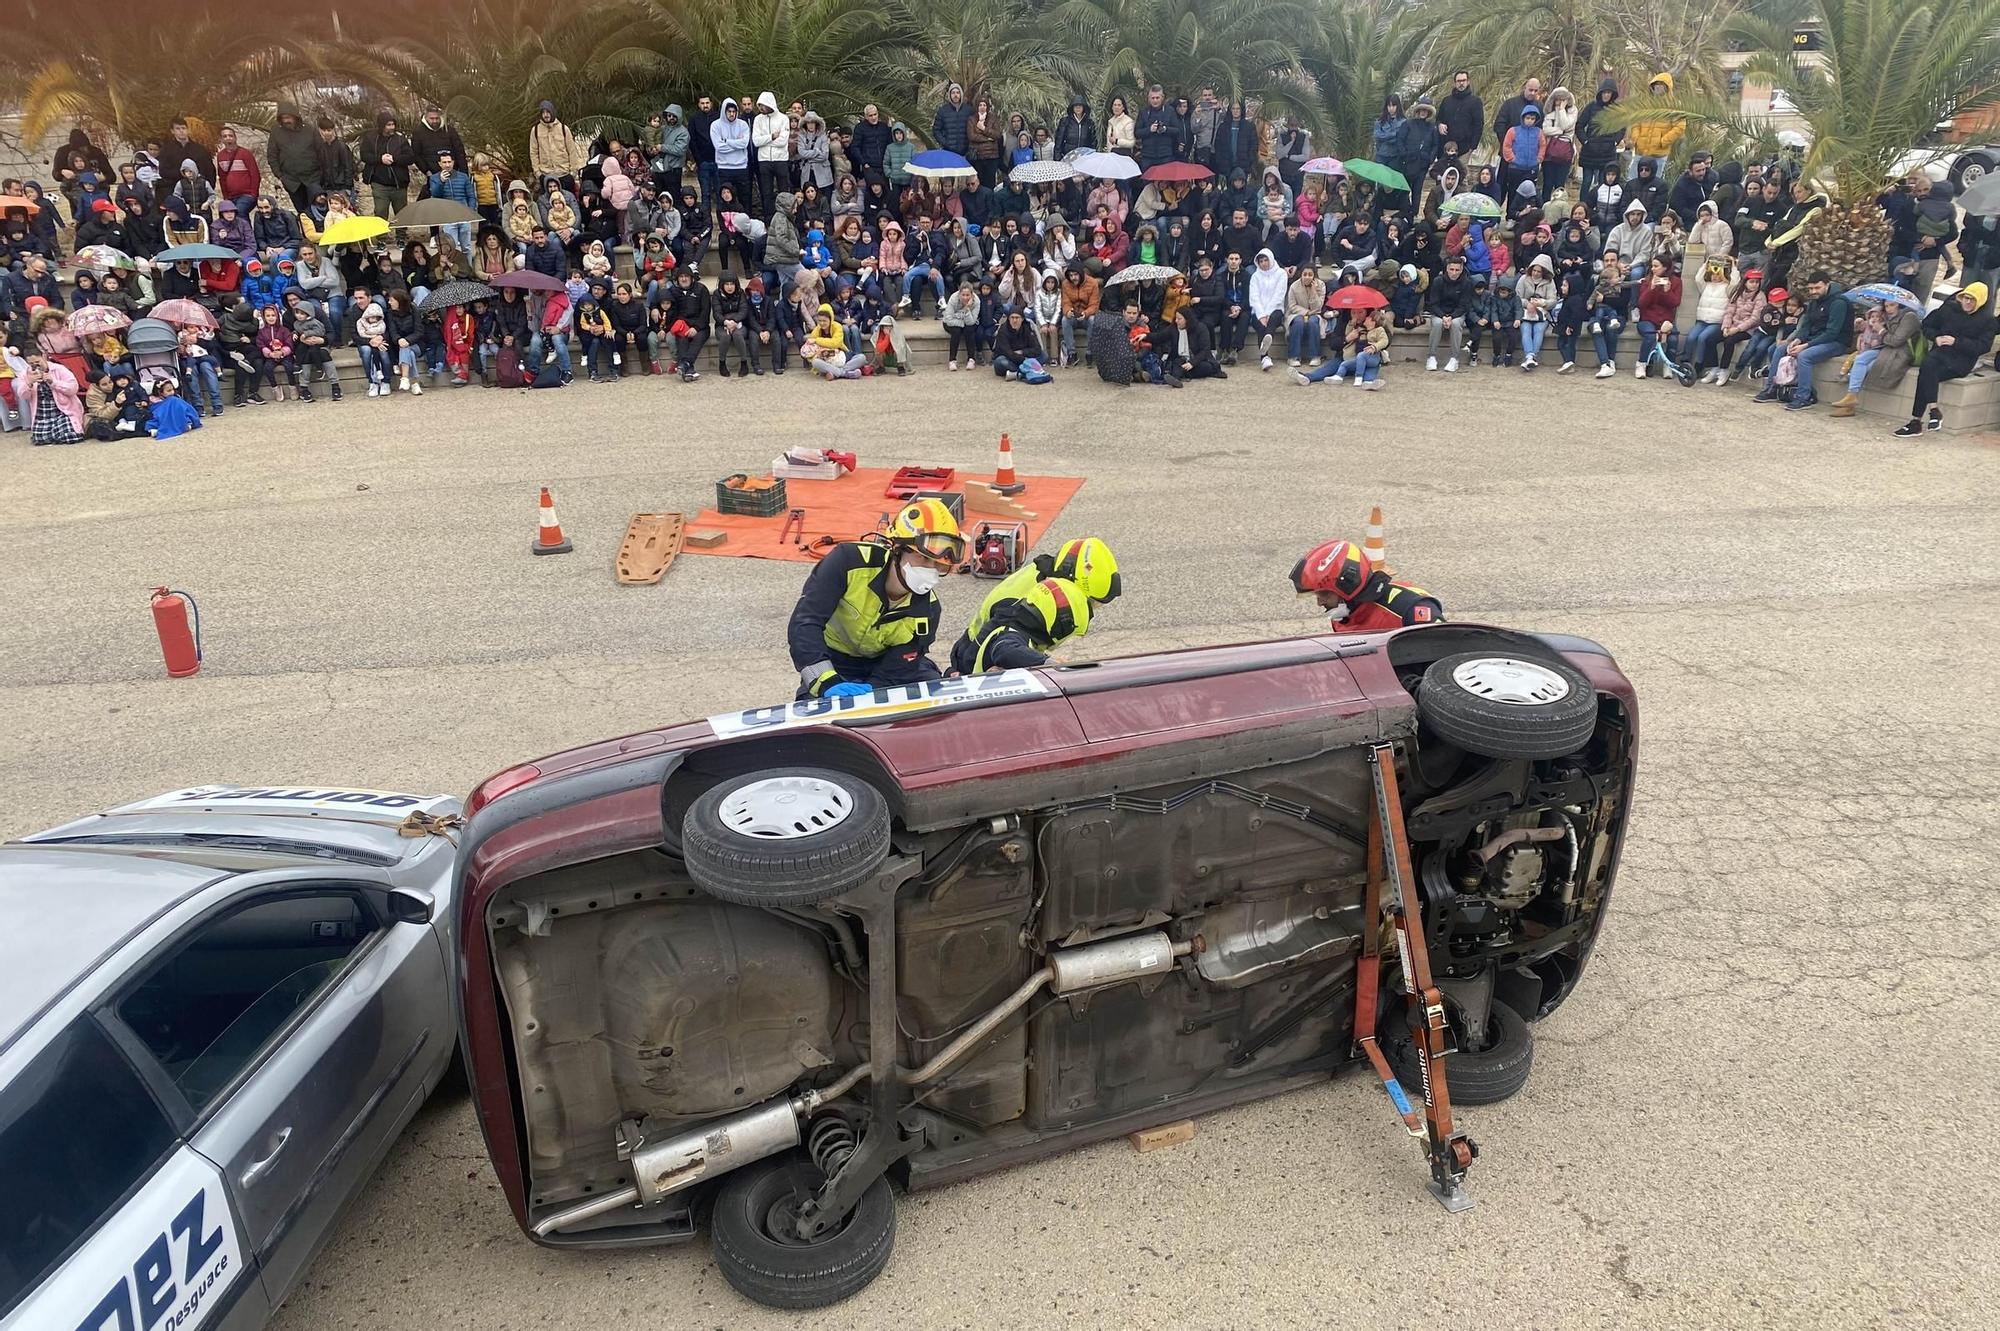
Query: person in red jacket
(1360, 597)
(1659, 306)
(237, 174)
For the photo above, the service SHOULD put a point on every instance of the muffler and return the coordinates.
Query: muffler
(674, 1164)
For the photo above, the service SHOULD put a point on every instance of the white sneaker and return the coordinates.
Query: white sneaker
(418, 389)
(1265, 363)
(1530, 363)
(1338, 379)
(1010, 376)
(1318, 361)
(903, 304)
(617, 359)
(1566, 367)
(1605, 371)
(951, 365)
(1301, 380)
(1372, 385)
(1639, 370)
(404, 383)
(1451, 366)
(1293, 362)
(1431, 362)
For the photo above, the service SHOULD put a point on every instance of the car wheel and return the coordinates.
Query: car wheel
(788, 836)
(1473, 1076)
(767, 1263)
(1506, 707)
(1969, 170)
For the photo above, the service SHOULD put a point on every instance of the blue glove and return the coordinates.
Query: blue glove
(848, 689)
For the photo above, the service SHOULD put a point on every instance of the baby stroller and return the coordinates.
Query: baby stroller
(154, 352)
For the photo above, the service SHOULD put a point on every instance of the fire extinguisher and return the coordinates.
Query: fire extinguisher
(177, 619)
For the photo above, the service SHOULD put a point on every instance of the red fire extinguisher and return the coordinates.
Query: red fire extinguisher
(177, 620)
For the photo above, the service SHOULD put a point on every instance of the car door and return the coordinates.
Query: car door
(300, 1023)
(110, 1221)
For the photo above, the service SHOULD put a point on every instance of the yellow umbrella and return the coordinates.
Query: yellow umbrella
(353, 230)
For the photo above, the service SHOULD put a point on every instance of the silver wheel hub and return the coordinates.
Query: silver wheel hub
(785, 807)
(1516, 683)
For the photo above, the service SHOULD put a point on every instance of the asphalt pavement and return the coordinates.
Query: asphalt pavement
(1765, 1104)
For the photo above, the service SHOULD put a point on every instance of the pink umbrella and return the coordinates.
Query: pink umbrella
(183, 313)
(1177, 173)
(93, 320)
(1324, 166)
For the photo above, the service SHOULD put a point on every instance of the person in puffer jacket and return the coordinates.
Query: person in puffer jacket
(1713, 288)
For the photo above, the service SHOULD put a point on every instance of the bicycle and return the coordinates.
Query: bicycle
(1682, 370)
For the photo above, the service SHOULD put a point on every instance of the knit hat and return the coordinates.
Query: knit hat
(756, 286)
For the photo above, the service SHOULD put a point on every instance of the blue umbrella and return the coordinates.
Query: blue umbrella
(1889, 294)
(196, 253)
(937, 164)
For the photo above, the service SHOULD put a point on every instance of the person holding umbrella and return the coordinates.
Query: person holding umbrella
(1367, 341)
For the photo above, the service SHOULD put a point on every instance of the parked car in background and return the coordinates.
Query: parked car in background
(752, 968)
(218, 1009)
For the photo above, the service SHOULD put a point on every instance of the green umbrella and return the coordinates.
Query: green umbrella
(1386, 177)
(1472, 203)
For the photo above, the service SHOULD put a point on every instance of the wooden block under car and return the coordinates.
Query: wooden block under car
(1160, 1138)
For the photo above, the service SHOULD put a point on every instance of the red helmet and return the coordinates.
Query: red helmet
(1333, 566)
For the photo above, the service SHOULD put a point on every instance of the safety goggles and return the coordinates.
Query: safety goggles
(944, 549)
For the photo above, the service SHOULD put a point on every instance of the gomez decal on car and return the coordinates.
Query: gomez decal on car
(884, 704)
(281, 797)
(162, 1263)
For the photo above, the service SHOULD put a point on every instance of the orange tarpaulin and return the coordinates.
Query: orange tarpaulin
(853, 506)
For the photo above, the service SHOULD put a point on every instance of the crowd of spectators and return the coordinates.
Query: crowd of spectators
(830, 240)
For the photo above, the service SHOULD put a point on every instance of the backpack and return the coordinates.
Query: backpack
(1787, 372)
(1033, 373)
(507, 369)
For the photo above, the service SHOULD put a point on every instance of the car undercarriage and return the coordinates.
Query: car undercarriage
(1134, 942)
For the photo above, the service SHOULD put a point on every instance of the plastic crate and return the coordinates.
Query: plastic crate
(768, 501)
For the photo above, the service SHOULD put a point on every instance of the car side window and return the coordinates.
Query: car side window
(209, 1008)
(78, 1133)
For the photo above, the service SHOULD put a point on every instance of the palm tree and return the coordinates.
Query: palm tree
(1888, 71)
(1566, 43)
(163, 64)
(816, 51)
(1242, 48)
(492, 62)
(999, 49)
(1367, 50)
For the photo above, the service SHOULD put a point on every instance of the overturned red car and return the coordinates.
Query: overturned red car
(751, 971)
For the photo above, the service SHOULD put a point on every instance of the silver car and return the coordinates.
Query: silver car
(218, 1009)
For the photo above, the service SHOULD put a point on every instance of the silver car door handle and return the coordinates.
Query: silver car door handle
(259, 1168)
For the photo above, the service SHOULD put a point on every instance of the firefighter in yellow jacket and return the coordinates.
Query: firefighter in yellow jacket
(869, 611)
(1087, 562)
(1021, 632)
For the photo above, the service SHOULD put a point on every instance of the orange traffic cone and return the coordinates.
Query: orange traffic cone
(1372, 544)
(549, 538)
(1003, 476)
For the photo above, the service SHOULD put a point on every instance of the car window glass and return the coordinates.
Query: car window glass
(208, 1009)
(77, 1132)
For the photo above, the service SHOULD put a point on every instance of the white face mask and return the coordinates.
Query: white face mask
(921, 578)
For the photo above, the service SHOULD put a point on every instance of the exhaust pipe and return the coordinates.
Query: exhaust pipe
(661, 1169)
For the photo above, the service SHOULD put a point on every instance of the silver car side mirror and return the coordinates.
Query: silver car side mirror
(408, 905)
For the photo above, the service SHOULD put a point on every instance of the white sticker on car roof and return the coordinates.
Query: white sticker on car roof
(886, 704)
(166, 1258)
(282, 799)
